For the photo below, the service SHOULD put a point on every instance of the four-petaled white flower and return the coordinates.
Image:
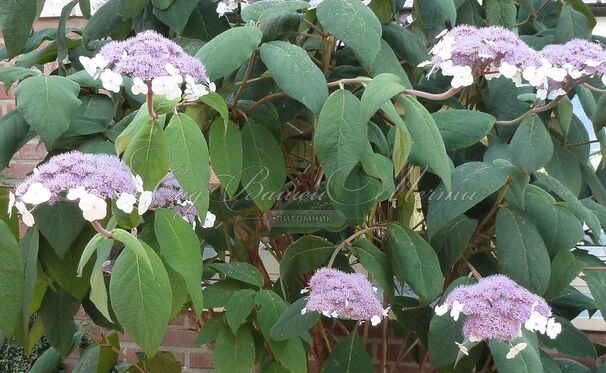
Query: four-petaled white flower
(441, 310)
(93, 208)
(126, 202)
(139, 87)
(553, 328)
(167, 86)
(457, 307)
(111, 80)
(145, 200)
(193, 91)
(36, 194)
(515, 350)
(209, 220)
(375, 320)
(93, 65)
(462, 348)
(74, 194)
(461, 75)
(11, 203)
(536, 322)
(223, 8)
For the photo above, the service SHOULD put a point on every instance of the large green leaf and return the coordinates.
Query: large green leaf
(349, 356)
(264, 169)
(572, 24)
(14, 133)
(16, 21)
(428, 143)
(527, 361)
(596, 280)
(375, 262)
(405, 43)
(9, 75)
(501, 13)
(531, 145)
(560, 229)
(239, 307)
(47, 103)
(292, 323)
(571, 341)
(227, 51)
(93, 115)
(304, 255)
(240, 271)
(225, 147)
(262, 11)
(355, 24)
(564, 166)
(106, 20)
(564, 269)
(203, 27)
(521, 251)
(148, 155)
(269, 307)
(340, 136)
(141, 298)
(414, 262)
(462, 128)
(471, 183)
(181, 249)
(387, 62)
(234, 352)
(60, 236)
(436, 14)
(451, 241)
(57, 313)
(380, 89)
(295, 73)
(189, 159)
(11, 281)
(176, 15)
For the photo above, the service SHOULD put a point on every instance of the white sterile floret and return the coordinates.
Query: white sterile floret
(536, 322)
(26, 215)
(11, 203)
(36, 194)
(441, 310)
(167, 86)
(145, 200)
(93, 208)
(473, 339)
(74, 194)
(462, 348)
(508, 70)
(223, 8)
(515, 350)
(93, 65)
(139, 87)
(375, 320)
(126, 202)
(111, 81)
(457, 308)
(553, 328)
(209, 220)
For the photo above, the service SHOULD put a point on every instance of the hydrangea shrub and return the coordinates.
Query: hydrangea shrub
(298, 175)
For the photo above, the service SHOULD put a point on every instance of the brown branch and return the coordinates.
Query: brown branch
(150, 102)
(263, 100)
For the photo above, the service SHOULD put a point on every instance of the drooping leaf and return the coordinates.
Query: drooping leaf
(304, 255)
(106, 20)
(14, 133)
(240, 271)
(531, 145)
(239, 307)
(436, 15)
(227, 51)
(57, 313)
(527, 361)
(380, 89)
(11, 281)
(462, 128)
(521, 251)
(263, 11)
(451, 241)
(60, 236)
(141, 298)
(148, 155)
(292, 323)
(501, 13)
(596, 280)
(234, 352)
(264, 170)
(47, 103)
(225, 147)
(414, 262)
(340, 137)
(201, 26)
(189, 159)
(180, 248)
(16, 23)
(176, 15)
(472, 182)
(572, 24)
(295, 73)
(375, 262)
(349, 356)
(353, 23)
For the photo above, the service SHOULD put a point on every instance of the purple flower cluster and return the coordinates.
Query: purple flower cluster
(344, 295)
(105, 176)
(496, 308)
(170, 194)
(466, 52)
(146, 55)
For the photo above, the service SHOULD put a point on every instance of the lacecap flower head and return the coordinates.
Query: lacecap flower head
(171, 195)
(466, 52)
(343, 295)
(497, 308)
(90, 179)
(151, 60)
